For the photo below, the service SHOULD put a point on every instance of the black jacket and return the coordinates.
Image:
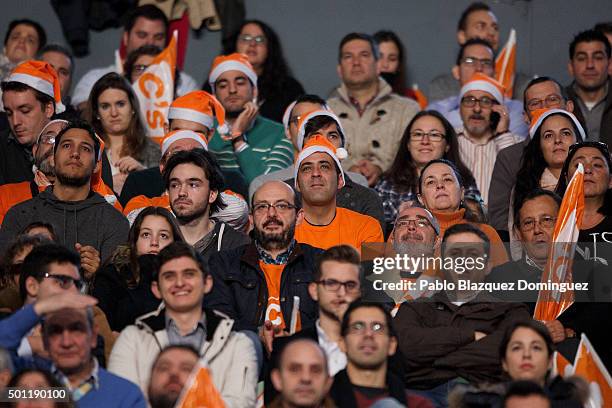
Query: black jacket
(344, 396)
(240, 289)
(15, 160)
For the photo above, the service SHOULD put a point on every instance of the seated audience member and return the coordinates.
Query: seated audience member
(195, 111)
(428, 136)
(372, 115)
(144, 25)
(62, 61)
(182, 282)
(455, 334)
(114, 112)
(138, 61)
(69, 335)
(10, 268)
(40, 228)
(589, 66)
(302, 377)
(441, 192)
(123, 284)
(6, 368)
(44, 173)
(194, 182)
(484, 131)
(169, 373)
(552, 131)
(476, 55)
(276, 87)
(526, 353)
(392, 62)
(22, 41)
(318, 177)
(526, 394)
(540, 93)
(83, 221)
(35, 379)
(301, 125)
(250, 143)
(33, 86)
(258, 282)
(369, 339)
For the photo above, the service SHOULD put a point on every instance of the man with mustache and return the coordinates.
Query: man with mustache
(485, 128)
(80, 217)
(193, 181)
(257, 284)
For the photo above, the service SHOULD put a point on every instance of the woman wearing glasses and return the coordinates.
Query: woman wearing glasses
(277, 88)
(429, 136)
(123, 284)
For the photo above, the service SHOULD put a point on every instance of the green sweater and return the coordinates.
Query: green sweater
(267, 150)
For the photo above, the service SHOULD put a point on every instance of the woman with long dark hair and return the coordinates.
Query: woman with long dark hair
(392, 62)
(277, 88)
(113, 110)
(123, 284)
(429, 136)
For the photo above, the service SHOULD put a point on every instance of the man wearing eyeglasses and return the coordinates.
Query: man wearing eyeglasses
(368, 338)
(542, 92)
(485, 128)
(477, 55)
(257, 284)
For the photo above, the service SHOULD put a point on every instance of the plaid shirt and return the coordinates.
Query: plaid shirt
(281, 259)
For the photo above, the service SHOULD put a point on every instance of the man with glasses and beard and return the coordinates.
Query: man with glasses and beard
(80, 216)
(258, 284)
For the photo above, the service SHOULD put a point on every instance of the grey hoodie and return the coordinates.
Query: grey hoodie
(89, 222)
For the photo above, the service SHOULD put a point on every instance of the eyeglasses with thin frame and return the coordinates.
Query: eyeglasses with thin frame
(545, 221)
(64, 281)
(484, 102)
(282, 207)
(360, 327)
(295, 120)
(333, 285)
(417, 222)
(140, 68)
(434, 135)
(472, 61)
(247, 38)
(551, 101)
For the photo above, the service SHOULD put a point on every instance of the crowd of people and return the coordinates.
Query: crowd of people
(240, 242)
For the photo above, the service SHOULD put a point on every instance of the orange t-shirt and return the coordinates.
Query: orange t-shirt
(273, 281)
(348, 227)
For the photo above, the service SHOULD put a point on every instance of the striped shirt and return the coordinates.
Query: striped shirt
(479, 156)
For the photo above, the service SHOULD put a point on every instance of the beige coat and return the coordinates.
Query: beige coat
(230, 355)
(376, 134)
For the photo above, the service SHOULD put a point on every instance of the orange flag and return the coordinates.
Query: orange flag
(505, 64)
(551, 303)
(420, 96)
(561, 366)
(200, 391)
(588, 365)
(155, 91)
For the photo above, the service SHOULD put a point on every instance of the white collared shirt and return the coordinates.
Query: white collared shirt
(336, 359)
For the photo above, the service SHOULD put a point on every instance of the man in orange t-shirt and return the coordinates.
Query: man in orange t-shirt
(318, 177)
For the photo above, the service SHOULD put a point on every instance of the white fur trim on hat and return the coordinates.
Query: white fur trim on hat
(310, 150)
(180, 135)
(302, 129)
(287, 116)
(191, 115)
(542, 118)
(485, 86)
(40, 85)
(231, 66)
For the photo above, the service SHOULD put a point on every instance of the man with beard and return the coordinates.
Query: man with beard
(250, 143)
(485, 128)
(337, 283)
(169, 374)
(319, 177)
(368, 339)
(80, 216)
(259, 283)
(194, 181)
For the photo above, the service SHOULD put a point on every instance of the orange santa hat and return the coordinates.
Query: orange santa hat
(200, 107)
(177, 135)
(41, 76)
(318, 144)
(539, 116)
(232, 62)
(481, 82)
